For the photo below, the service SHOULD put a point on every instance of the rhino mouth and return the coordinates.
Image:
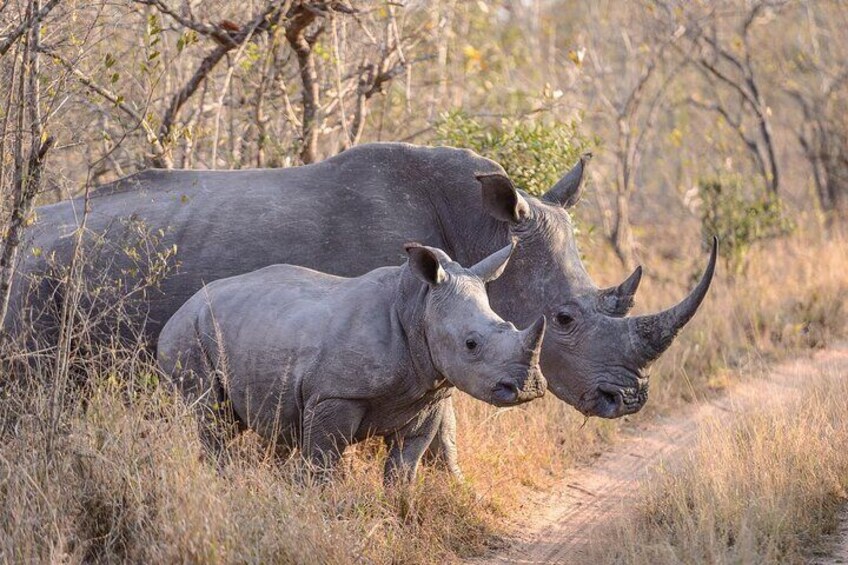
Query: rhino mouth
(511, 391)
(610, 400)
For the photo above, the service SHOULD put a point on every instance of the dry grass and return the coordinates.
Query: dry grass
(763, 488)
(127, 483)
(123, 480)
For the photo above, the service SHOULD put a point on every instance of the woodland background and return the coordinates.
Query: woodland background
(725, 117)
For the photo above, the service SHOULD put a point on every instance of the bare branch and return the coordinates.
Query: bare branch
(261, 22)
(734, 85)
(215, 32)
(25, 25)
(112, 97)
(369, 85)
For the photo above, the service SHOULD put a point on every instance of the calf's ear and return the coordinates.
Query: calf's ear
(493, 266)
(424, 264)
(501, 199)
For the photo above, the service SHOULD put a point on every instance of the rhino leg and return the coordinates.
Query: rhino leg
(218, 422)
(200, 384)
(328, 427)
(408, 445)
(442, 451)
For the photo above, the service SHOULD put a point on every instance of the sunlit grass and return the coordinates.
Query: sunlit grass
(759, 488)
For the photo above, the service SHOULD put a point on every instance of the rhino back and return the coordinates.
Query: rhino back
(288, 334)
(346, 215)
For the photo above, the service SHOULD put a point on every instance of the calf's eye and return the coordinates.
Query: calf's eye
(470, 344)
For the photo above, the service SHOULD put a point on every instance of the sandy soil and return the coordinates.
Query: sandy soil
(839, 556)
(558, 525)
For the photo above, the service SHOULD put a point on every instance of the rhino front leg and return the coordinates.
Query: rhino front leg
(408, 446)
(328, 427)
(442, 450)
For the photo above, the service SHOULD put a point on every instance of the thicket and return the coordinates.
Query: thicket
(739, 220)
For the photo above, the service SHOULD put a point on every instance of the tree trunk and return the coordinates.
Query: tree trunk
(621, 236)
(772, 175)
(302, 47)
(27, 177)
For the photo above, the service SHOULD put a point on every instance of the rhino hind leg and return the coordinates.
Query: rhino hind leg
(201, 386)
(218, 422)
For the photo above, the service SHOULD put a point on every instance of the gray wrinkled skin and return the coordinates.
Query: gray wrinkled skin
(588, 334)
(351, 213)
(320, 361)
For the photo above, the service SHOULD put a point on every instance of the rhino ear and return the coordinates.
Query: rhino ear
(501, 199)
(424, 264)
(493, 266)
(568, 190)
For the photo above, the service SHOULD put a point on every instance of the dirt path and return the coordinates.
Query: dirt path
(559, 524)
(840, 543)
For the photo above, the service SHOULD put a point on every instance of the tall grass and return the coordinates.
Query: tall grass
(761, 488)
(117, 474)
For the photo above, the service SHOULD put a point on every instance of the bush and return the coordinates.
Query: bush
(739, 221)
(534, 153)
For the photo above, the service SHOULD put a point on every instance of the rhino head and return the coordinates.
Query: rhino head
(593, 357)
(471, 346)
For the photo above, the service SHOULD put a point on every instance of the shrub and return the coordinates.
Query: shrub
(739, 221)
(534, 153)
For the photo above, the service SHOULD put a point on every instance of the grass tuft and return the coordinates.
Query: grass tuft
(765, 487)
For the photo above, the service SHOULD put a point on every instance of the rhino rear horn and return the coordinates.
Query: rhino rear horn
(651, 335)
(568, 190)
(617, 301)
(532, 339)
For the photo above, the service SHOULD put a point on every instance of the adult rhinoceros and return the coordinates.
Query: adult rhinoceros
(351, 213)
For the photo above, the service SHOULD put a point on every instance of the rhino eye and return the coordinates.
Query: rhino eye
(470, 344)
(564, 319)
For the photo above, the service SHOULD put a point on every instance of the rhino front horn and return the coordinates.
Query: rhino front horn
(532, 338)
(652, 334)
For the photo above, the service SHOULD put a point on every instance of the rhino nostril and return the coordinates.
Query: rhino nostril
(506, 391)
(610, 397)
(613, 401)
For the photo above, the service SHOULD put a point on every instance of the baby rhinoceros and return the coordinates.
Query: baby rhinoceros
(319, 361)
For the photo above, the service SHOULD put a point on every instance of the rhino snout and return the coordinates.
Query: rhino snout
(614, 401)
(510, 391)
(505, 392)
